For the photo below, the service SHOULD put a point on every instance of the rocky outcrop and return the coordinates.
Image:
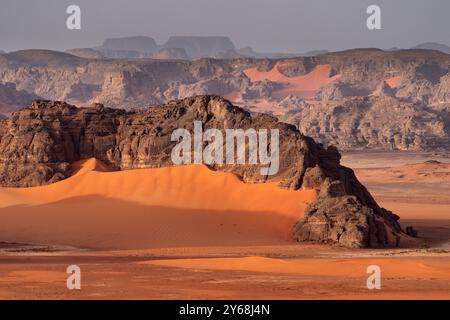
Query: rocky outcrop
(292, 103)
(340, 90)
(11, 99)
(376, 122)
(441, 94)
(344, 212)
(38, 144)
(383, 90)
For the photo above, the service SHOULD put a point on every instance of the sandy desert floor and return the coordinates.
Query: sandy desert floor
(132, 236)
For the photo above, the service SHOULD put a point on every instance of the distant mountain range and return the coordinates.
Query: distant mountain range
(176, 47)
(360, 98)
(195, 47)
(433, 46)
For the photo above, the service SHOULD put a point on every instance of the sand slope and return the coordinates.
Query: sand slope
(394, 82)
(304, 86)
(197, 234)
(163, 207)
(319, 267)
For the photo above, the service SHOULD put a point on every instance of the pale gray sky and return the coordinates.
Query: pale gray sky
(266, 25)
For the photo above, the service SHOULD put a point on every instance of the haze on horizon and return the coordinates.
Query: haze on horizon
(290, 26)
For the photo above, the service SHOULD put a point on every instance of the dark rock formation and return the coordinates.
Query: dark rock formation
(344, 211)
(410, 231)
(38, 144)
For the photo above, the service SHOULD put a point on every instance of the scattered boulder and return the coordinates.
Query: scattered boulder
(410, 231)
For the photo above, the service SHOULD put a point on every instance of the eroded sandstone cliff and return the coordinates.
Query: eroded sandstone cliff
(39, 143)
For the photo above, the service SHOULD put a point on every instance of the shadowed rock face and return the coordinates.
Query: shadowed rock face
(39, 143)
(10, 97)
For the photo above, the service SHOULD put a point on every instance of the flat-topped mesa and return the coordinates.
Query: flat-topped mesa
(39, 143)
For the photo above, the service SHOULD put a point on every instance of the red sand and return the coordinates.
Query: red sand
(394, 82)
(319, 267)
(304, 86)
(146, 208)
(167, 218)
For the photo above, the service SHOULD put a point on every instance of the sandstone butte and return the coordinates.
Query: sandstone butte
(41, 145)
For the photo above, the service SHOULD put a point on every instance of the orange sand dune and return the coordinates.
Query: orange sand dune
(394, 82)
(161, 207)
(318, 267)
(304, 86)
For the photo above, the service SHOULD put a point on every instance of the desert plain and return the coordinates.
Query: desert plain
(187, 232)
